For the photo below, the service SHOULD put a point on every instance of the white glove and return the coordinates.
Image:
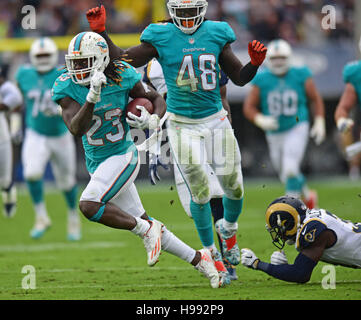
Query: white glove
(279, 257)
(266, 122)
(318, 131)
(96, 82)
(248, 258)
(344, 124)
(144, 121)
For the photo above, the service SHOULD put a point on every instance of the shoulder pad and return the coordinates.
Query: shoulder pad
(309, 232)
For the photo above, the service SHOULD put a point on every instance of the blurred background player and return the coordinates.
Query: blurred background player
(194, 105)
(10, 102)
(46, 138)
(93, 100)
(278, 104)
(351, 96)
(318, 235)
(153, 75)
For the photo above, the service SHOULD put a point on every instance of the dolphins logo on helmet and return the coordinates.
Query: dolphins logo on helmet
(187, 15)
(283, 218)
(87, 52)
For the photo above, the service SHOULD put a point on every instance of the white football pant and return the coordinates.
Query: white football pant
(287, 150)
(39, 149)
(113, 181)
(195, 146)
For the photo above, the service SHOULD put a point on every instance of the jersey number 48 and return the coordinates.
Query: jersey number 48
(187, 72)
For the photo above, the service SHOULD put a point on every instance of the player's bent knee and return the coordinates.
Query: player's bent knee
(233, 188)
(198, 184)
(91, 210)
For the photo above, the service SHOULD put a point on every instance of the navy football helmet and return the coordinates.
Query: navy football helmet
(283, 217)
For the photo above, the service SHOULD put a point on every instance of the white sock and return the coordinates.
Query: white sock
(230, 225)
(40, 210)
(175, 246)
(141, 228)
(73, 214)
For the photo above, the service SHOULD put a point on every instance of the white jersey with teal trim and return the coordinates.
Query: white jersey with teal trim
(190, 65)
(109, 134)
(41, 113)
(284, 97)
(347, 249)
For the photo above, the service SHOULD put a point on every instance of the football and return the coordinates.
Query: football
(147, 104)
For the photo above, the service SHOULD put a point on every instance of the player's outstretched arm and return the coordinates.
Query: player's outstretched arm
(137, 56)
(239, 74)
(347, 102)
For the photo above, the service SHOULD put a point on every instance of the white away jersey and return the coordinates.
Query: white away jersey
(347, 249)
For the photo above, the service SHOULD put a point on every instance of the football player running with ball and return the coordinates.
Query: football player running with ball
(93, 95)
(278, 104)
(191, 51)
(318, 235)
(46, 138)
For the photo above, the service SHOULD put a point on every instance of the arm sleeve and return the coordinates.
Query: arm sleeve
(11, 95)
(300, 271)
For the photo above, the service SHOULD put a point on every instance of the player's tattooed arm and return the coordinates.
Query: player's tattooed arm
(77, 118)
(239, 74)
(142, 90)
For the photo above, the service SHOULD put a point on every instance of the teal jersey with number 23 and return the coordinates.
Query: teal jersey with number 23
(109, 134)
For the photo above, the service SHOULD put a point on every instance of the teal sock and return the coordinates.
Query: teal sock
(71, 197)
(202, 217)
(36, 189)
(294, 185)
(232, 209)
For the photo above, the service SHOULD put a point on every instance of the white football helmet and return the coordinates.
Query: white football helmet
(278, 56)
(44, 54)
(87, 52)
(187, 15)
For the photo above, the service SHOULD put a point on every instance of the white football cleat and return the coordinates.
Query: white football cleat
(42, 224)
(207, 267)
(152, 240)
(74, 228)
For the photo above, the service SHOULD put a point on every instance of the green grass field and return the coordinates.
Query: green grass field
(111, 264)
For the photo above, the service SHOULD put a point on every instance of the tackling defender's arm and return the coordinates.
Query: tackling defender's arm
(301, 270)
